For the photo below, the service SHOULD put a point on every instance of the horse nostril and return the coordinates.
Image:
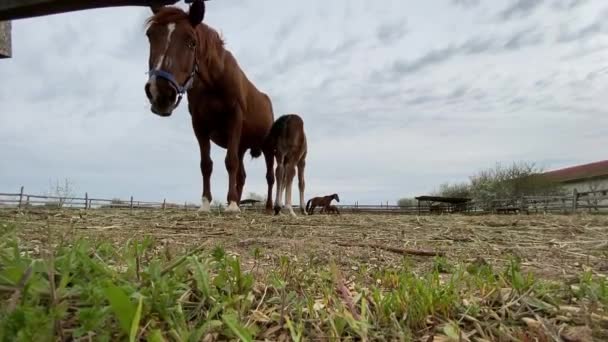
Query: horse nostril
(148, 93)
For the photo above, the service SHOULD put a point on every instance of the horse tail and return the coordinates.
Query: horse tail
(255, 152)
(308, 204)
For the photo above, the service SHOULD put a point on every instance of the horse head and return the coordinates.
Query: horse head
(173, 60)
(335, 196)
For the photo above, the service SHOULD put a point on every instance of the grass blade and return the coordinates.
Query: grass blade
(135, 321)
(121, 306)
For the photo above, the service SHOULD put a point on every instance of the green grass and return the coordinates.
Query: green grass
(78, 289)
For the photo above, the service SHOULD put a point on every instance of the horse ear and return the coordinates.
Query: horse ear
(155, 9)
(197, 12)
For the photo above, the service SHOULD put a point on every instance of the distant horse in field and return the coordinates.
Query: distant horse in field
(323, 202)
(288, 141)
(330, 209)
(187, 56)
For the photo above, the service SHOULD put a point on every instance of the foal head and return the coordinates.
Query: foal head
(173, 55)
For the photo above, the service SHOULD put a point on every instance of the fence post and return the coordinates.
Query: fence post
(21, 196)
(186, 206)
(86, 200)
(131, 203)
(164, 203)
(574, 200)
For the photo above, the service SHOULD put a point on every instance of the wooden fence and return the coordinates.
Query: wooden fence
(593, 201)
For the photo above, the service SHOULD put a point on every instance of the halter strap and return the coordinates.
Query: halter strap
(181, 90)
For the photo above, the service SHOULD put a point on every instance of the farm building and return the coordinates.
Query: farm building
(586, 177)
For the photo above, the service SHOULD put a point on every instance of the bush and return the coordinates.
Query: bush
(454, 190)
(407, 202)
(502, 182)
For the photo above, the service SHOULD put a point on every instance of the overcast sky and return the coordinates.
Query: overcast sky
(397, 96)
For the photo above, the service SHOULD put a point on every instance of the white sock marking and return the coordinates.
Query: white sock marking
(205, 205)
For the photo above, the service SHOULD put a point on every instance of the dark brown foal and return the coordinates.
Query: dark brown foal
(323, 202)
(330, 209)
(288, 141)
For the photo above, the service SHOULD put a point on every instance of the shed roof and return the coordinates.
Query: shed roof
(579, 172)
(452, 200)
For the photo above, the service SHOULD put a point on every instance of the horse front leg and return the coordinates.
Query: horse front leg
(280, 180)
(290, 172)
(232, 166)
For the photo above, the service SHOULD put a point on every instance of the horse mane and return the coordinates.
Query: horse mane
(210, 41)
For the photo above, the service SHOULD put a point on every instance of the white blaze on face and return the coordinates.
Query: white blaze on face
(161, 59)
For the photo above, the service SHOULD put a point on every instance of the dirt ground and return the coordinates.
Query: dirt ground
(550, 246)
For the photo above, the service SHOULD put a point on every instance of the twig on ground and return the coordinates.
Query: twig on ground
(392, 249)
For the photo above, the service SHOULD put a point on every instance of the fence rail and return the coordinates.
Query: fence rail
(589, 200)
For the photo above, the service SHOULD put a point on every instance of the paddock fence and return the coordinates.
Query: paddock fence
(590, 201)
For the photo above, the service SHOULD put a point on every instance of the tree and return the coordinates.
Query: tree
(406, 202)
(63, 191)
(502, 182)
(454, 190)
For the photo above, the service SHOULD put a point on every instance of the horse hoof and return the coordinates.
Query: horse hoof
(232, 208)
(277, 210)
(292, 213)
(205, 206)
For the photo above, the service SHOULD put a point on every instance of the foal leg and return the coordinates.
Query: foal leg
(290, 172)
(269, 157)
(279, 172)
(301, 185)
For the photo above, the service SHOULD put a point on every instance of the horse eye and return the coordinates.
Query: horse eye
(190, 44)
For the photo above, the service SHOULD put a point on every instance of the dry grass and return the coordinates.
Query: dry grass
(550, 246)
(349, 277)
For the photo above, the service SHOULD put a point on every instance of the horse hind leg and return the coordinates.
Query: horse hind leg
(206, 169)
(241, 177)
(290, 172)
(269, 158)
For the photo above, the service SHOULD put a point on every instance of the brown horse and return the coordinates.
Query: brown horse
(330, 209)
(323, 202)
(288, 141)
(187, 56)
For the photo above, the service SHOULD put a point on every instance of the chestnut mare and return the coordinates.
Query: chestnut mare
(288, 141)
(187, 56)
(323, 202)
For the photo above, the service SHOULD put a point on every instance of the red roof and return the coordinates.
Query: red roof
(584, 171)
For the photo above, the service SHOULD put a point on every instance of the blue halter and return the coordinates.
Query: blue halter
(179, 89)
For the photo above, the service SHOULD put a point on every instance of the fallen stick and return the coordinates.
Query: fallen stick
(393, 249)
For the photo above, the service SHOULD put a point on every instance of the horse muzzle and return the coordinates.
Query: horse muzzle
(162, 96)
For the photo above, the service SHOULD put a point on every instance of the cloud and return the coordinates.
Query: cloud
(475, 46)
(394, 103)
(466, 3)
(520, 8)
(390, 32)
(568, 36)
(568, 5)
(524, 38)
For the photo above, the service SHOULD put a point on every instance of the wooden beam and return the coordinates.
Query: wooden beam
(21, 9)
(5, 39)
